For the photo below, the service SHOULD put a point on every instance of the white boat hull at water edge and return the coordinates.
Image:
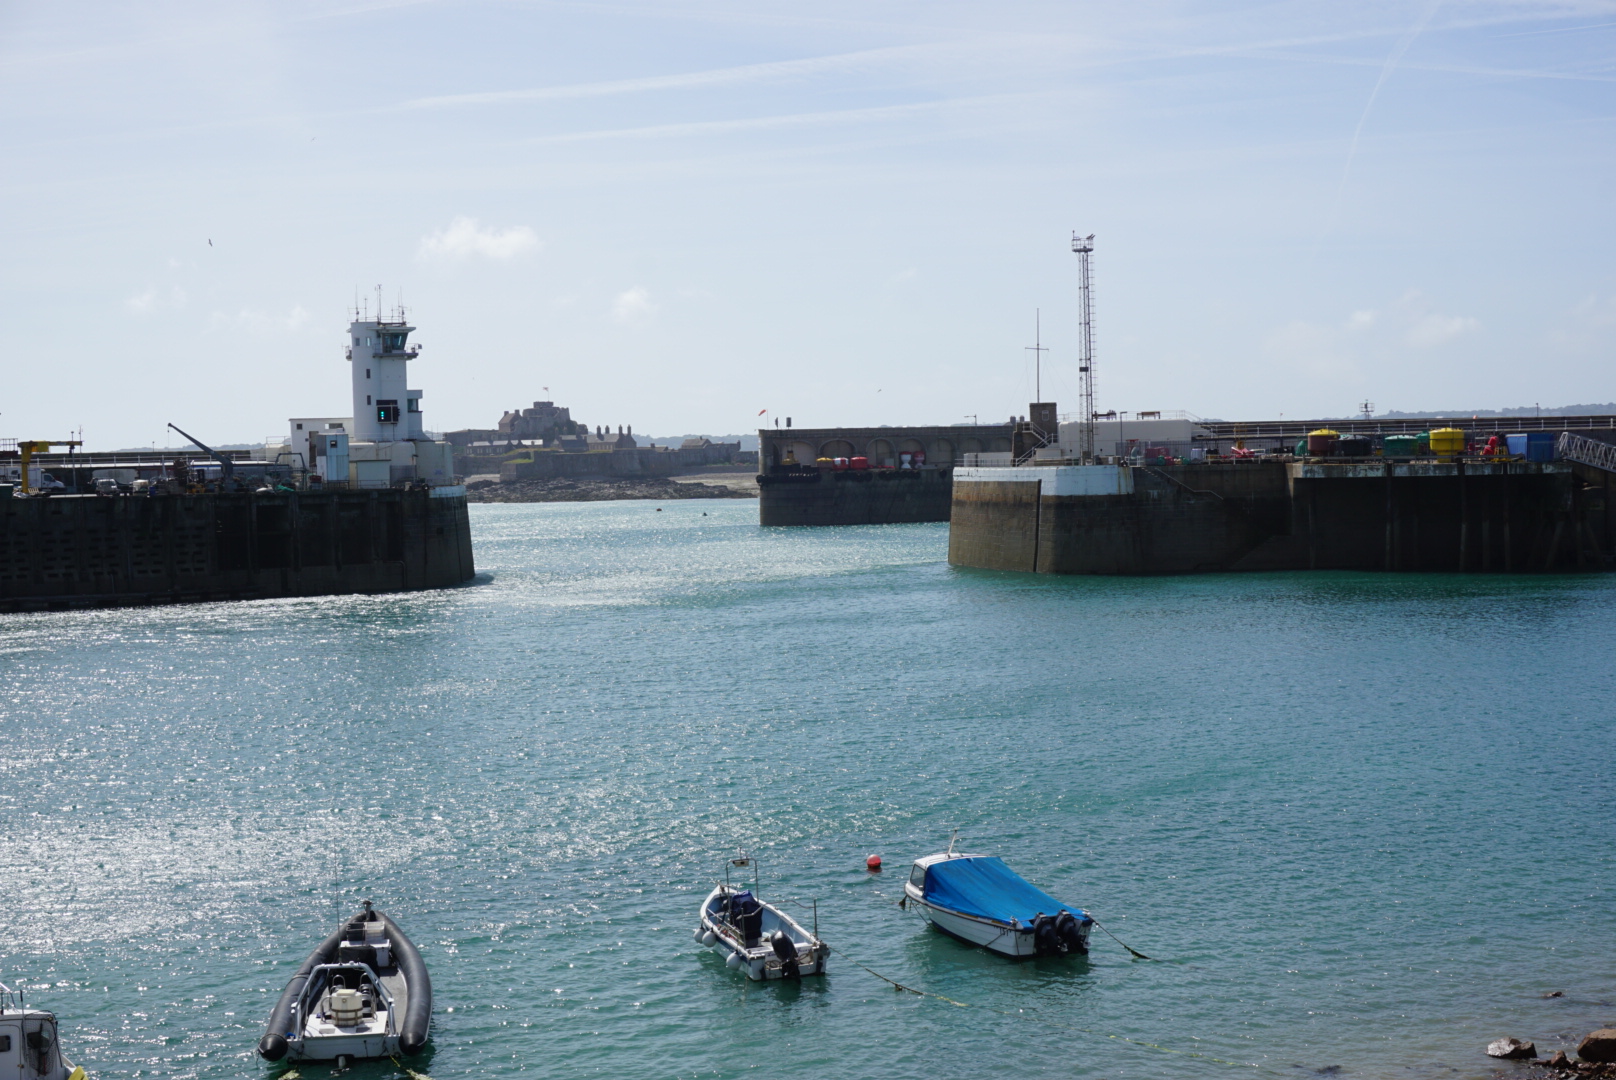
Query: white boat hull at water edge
(28, 1046)
(980, 901)
(758, 938)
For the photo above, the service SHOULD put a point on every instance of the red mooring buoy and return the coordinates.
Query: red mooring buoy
(873, 863)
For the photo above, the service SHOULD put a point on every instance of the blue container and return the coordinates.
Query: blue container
(1532, 445)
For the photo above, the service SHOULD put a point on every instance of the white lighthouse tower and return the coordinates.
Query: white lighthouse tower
(385, 410)
(383, 443)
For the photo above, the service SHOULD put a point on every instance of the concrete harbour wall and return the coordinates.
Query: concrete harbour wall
(865, 497)
(97, 551)
(1453, 516)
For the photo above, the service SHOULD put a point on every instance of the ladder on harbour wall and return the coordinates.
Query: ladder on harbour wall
(1596, 455)
(1586, 451)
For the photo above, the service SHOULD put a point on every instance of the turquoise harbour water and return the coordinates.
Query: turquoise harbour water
(1364, 821)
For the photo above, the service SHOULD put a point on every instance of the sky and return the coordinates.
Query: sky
(675, 215)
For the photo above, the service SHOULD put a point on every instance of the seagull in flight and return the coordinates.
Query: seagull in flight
(210, 241)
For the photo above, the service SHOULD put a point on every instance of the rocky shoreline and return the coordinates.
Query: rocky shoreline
(596, 489)
(1595, 1060)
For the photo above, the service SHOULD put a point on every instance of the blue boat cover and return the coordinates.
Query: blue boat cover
(983, 886)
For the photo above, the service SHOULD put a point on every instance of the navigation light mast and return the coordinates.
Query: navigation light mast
(1084, 247)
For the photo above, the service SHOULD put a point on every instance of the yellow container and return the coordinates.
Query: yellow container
(1447, 441)
(824, 462)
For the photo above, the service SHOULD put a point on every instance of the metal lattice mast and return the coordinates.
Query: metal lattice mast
(1084, 247)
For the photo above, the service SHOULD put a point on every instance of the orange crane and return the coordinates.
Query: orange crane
(27, 448)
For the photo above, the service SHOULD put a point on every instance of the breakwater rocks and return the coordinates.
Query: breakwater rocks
(595, 489)
(1595, 1060)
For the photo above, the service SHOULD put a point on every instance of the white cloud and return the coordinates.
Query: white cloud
(1424, 328)
(464, 238)
(1347, 348)
(1429, 330)
(1313, 347)
(154, 300)
(779, 70)
(261, 322)
(1588, 328)
(633, 304)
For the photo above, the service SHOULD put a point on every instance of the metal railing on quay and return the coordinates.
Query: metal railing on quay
(1224, 430)
(1586, 451)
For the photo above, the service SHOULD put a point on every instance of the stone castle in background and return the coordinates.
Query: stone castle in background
(545, 420)
(545, 441)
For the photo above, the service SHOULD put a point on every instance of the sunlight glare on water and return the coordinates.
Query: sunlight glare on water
(1362, 820)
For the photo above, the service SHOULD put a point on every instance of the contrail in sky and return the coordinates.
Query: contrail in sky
(1396, 54)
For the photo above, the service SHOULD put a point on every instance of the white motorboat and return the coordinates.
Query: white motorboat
(363, 993)
(28, 1042)
(758, 937)
(980, 900)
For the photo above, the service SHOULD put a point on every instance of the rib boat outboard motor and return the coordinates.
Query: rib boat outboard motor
(1070, 933)
(786, 950)
(1046, 935)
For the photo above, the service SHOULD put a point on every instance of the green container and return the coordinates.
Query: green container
(1402, 446)
(1301, 447)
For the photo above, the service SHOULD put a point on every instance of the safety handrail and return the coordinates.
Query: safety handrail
(1600, 455)
(1158, 474)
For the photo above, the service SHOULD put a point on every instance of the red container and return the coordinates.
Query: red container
(858, 463)
(838, 463)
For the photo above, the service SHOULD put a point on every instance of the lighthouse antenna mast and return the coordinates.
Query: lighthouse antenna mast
(1083, 246)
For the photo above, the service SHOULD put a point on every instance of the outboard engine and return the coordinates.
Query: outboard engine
(786, 950)
(1046, 935)
(1070, 933)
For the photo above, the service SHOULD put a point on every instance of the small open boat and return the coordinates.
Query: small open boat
(28, 1046)
(363, 993)
(759, 938)
(980, 900)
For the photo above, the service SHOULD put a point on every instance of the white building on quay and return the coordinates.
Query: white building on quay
(383, 442)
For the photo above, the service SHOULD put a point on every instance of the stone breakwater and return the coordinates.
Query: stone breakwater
(595, 489)
(1595, 1060)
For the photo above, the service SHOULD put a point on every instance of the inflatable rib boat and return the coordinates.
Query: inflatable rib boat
(363, 993)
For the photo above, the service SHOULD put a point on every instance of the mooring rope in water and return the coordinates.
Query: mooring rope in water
(1021, 1015)
(1137, 954)
(409, 1072)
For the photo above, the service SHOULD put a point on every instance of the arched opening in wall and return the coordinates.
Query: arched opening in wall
(1001, 446)
(942, 453)
(802, 451)
(971, 446)
(880, 454)
(837, 448)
